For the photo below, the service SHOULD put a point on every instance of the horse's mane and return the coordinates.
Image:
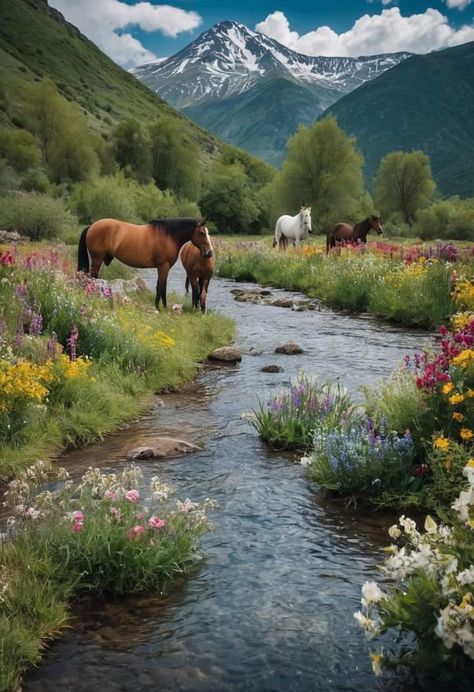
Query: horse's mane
(174, 227)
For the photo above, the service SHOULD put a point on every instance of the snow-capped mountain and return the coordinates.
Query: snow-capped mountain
(229, 59)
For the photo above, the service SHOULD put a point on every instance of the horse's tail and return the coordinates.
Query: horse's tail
(82, 254)
(186, 284)
(274, 244)
(277, 235)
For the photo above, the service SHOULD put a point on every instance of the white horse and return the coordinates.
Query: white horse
(294, 228)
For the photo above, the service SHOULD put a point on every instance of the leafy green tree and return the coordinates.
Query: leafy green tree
(229, 201)
(451, 219)
(323, 169)
(404, 184)
(175, 160)
(67, 147)
(132, 149)
(20, 148)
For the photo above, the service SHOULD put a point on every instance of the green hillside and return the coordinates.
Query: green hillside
(36, 42)
(261, 119)
(427, 103)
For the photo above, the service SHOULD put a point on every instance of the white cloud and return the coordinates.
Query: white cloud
(386, 32)
(458, 4)
(106, 21)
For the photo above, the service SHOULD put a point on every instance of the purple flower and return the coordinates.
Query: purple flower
(72, 342)
(36, 324)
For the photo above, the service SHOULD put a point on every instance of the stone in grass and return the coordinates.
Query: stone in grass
(271, 368)
(162, 448)
(289, 349)
(226, 354)
(283, 302)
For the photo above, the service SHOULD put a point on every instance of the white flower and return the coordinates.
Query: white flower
(305, 461)
(371, 593)
(466, 576)
(430, 525)
(394, 532)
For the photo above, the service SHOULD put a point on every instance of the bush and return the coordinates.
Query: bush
(35, 215)
(289, 419)
(430, 602)
(35, 180)
(448, 219)
(107, 197)
(364, 461)
(20, 148)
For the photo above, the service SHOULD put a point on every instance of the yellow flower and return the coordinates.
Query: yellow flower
(441, 443)
(470, 464)
(469, 393)
(466, 434)
(376, 663)
(456, 399)
(458, 416)
(464, 358)
(448, 387)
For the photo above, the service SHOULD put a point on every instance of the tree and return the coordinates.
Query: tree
(67, 147)
(323, 169)
(229, 201)
(132, 149)
(404, 184)
(20, 148)
(175, 161)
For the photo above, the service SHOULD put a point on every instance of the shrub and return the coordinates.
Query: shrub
(20, 148)
(35, 215)
(289, 419)
(364, 461)
(431, 601)
(451, 218)
(107, 197)
(35, 180)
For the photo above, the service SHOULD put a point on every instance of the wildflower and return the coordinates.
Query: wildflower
(458, 417)
(376, 663)
(132, 495)
(117, 515)
(394, 532)
(156, 523)
(371, 593)
(441, 443)
(135, 532)
(430, 525)
(177, 308)
(77, 526)
(367, 624)
(78, 516)
(466, 434)
(110, 495)
(72, 342)
(448, 387)
(456, 399)
(186, 506)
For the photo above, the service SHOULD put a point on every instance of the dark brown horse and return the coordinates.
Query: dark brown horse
(345, 233)
(199, 271)
(155, 244)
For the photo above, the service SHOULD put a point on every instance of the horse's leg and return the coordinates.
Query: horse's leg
(96, 263)
(204, 285)
(194, 291)
(163, 271)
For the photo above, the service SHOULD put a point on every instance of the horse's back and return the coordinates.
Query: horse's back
(342, 231)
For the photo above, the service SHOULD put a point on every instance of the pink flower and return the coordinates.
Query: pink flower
(78, 516)
(110, 495)
(135, 532)
(132, 495)
(186, 506)
(32, 513)
(177, 308)
(77, 526)
(139, 516)
(116, 514)
(156, 523)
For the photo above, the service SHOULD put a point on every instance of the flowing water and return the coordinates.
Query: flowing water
(271, 608)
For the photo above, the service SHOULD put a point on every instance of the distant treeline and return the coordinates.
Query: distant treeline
(56, 175)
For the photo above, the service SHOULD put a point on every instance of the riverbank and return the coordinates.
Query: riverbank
(80, 358)
(411, 286)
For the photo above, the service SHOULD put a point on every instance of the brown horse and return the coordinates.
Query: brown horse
(344, 232)
(199, 271)
(155, 244)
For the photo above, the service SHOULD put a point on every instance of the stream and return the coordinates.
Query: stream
(271, 608)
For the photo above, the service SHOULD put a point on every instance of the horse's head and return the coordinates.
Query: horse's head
(200, 238)
(376, 224)
(305, 213)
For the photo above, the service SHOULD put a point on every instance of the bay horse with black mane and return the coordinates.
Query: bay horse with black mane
(344, 232)
(155, 244)
(199, 271)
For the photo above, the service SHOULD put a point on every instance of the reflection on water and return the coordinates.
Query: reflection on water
(271, 607)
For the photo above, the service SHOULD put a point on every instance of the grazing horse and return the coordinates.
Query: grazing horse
(155, 244)
(199, 271)
(294, 228)
(346, 233)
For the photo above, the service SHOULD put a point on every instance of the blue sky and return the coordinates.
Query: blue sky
(132, 32)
